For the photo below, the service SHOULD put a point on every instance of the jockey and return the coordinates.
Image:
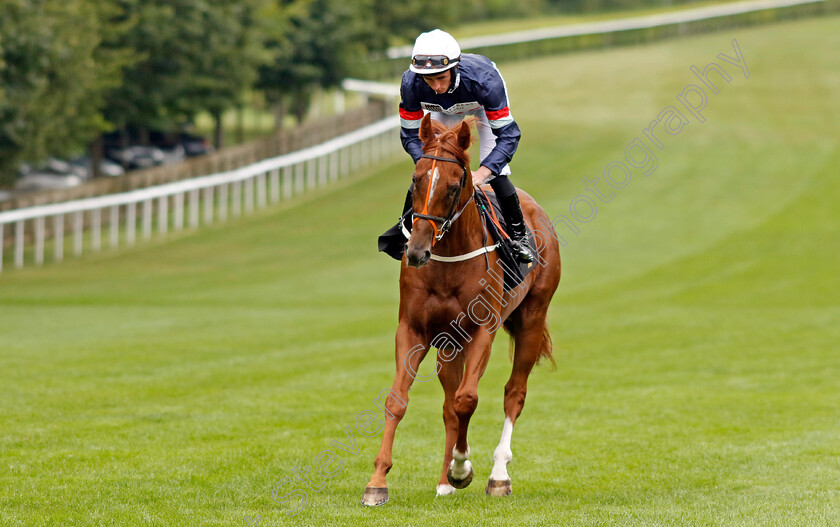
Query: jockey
(451, 85)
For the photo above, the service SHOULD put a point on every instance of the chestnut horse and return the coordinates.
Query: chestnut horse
(451, 304)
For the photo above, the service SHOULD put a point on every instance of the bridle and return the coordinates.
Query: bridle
(445, 222)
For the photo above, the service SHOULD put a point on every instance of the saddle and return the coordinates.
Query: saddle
(392, 242)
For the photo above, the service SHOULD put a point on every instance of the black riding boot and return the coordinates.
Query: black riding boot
(408, 200)
(512, 212)
(393, 241)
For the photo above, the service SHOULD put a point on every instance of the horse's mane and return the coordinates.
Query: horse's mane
(447, 138)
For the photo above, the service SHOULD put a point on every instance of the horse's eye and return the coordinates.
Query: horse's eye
(452, 189)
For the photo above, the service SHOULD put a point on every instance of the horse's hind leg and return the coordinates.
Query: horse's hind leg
(529, 341)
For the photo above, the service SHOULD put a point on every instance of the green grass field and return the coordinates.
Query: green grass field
(696, 329)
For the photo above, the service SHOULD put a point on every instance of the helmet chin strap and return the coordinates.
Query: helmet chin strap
(456, 79)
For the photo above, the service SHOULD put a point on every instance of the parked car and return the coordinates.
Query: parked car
(35, 180)
(135, 157)
(128, 150)
(193, 145)
(106, 167)
(173, 155)
(59, 167)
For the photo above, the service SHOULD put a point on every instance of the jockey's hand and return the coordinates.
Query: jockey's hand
(481, 175)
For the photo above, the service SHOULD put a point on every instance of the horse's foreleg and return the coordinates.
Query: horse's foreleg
(408, 362)
(450, 375)
(460, 471)
(527, 352)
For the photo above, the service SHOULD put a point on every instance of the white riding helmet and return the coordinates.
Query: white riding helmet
(434, 52)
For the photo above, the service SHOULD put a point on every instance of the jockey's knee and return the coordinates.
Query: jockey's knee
(502, 186)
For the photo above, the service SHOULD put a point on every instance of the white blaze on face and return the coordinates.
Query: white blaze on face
(435, 178)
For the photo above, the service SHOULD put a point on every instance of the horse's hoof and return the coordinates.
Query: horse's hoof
(498, 488)
(460, 483)
(375, 496)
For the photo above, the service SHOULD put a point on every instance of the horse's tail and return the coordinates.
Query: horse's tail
(546, 345)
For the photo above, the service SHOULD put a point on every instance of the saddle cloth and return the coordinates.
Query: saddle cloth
(392, 242)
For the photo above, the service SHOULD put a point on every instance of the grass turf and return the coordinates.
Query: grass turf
(695, 328)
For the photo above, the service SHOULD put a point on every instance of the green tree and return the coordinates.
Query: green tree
(308, 54)
(401, 22)
(53, 76)
(192, 55)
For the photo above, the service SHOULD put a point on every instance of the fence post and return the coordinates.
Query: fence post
(375, 149)
(208, 206)
(275, 185)
(344, 154)
(115, 225)
(262, 201)
(288, 183)
(299, 181)
(322, 170)
(179, 211)
(163, 214)
(365, 147)
(334, 166)
(357, 157)
(19, 244)
(131, 223)
(96, 229)
(223, 201)
(249, 195)
(39, 240)
(78, 235)
(58, 228)
(147, 219)
(311, 176)
(382, 147)
(237, 198)
(194, 209)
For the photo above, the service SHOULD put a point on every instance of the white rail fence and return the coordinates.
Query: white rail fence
(188, 203)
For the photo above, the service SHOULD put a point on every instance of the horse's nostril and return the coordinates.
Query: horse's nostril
(428, 254)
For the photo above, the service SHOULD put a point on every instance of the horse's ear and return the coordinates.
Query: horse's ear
(464, 137)
(426, 133)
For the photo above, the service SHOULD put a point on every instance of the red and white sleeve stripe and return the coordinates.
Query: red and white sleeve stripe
(499, 118)
(410, 119)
